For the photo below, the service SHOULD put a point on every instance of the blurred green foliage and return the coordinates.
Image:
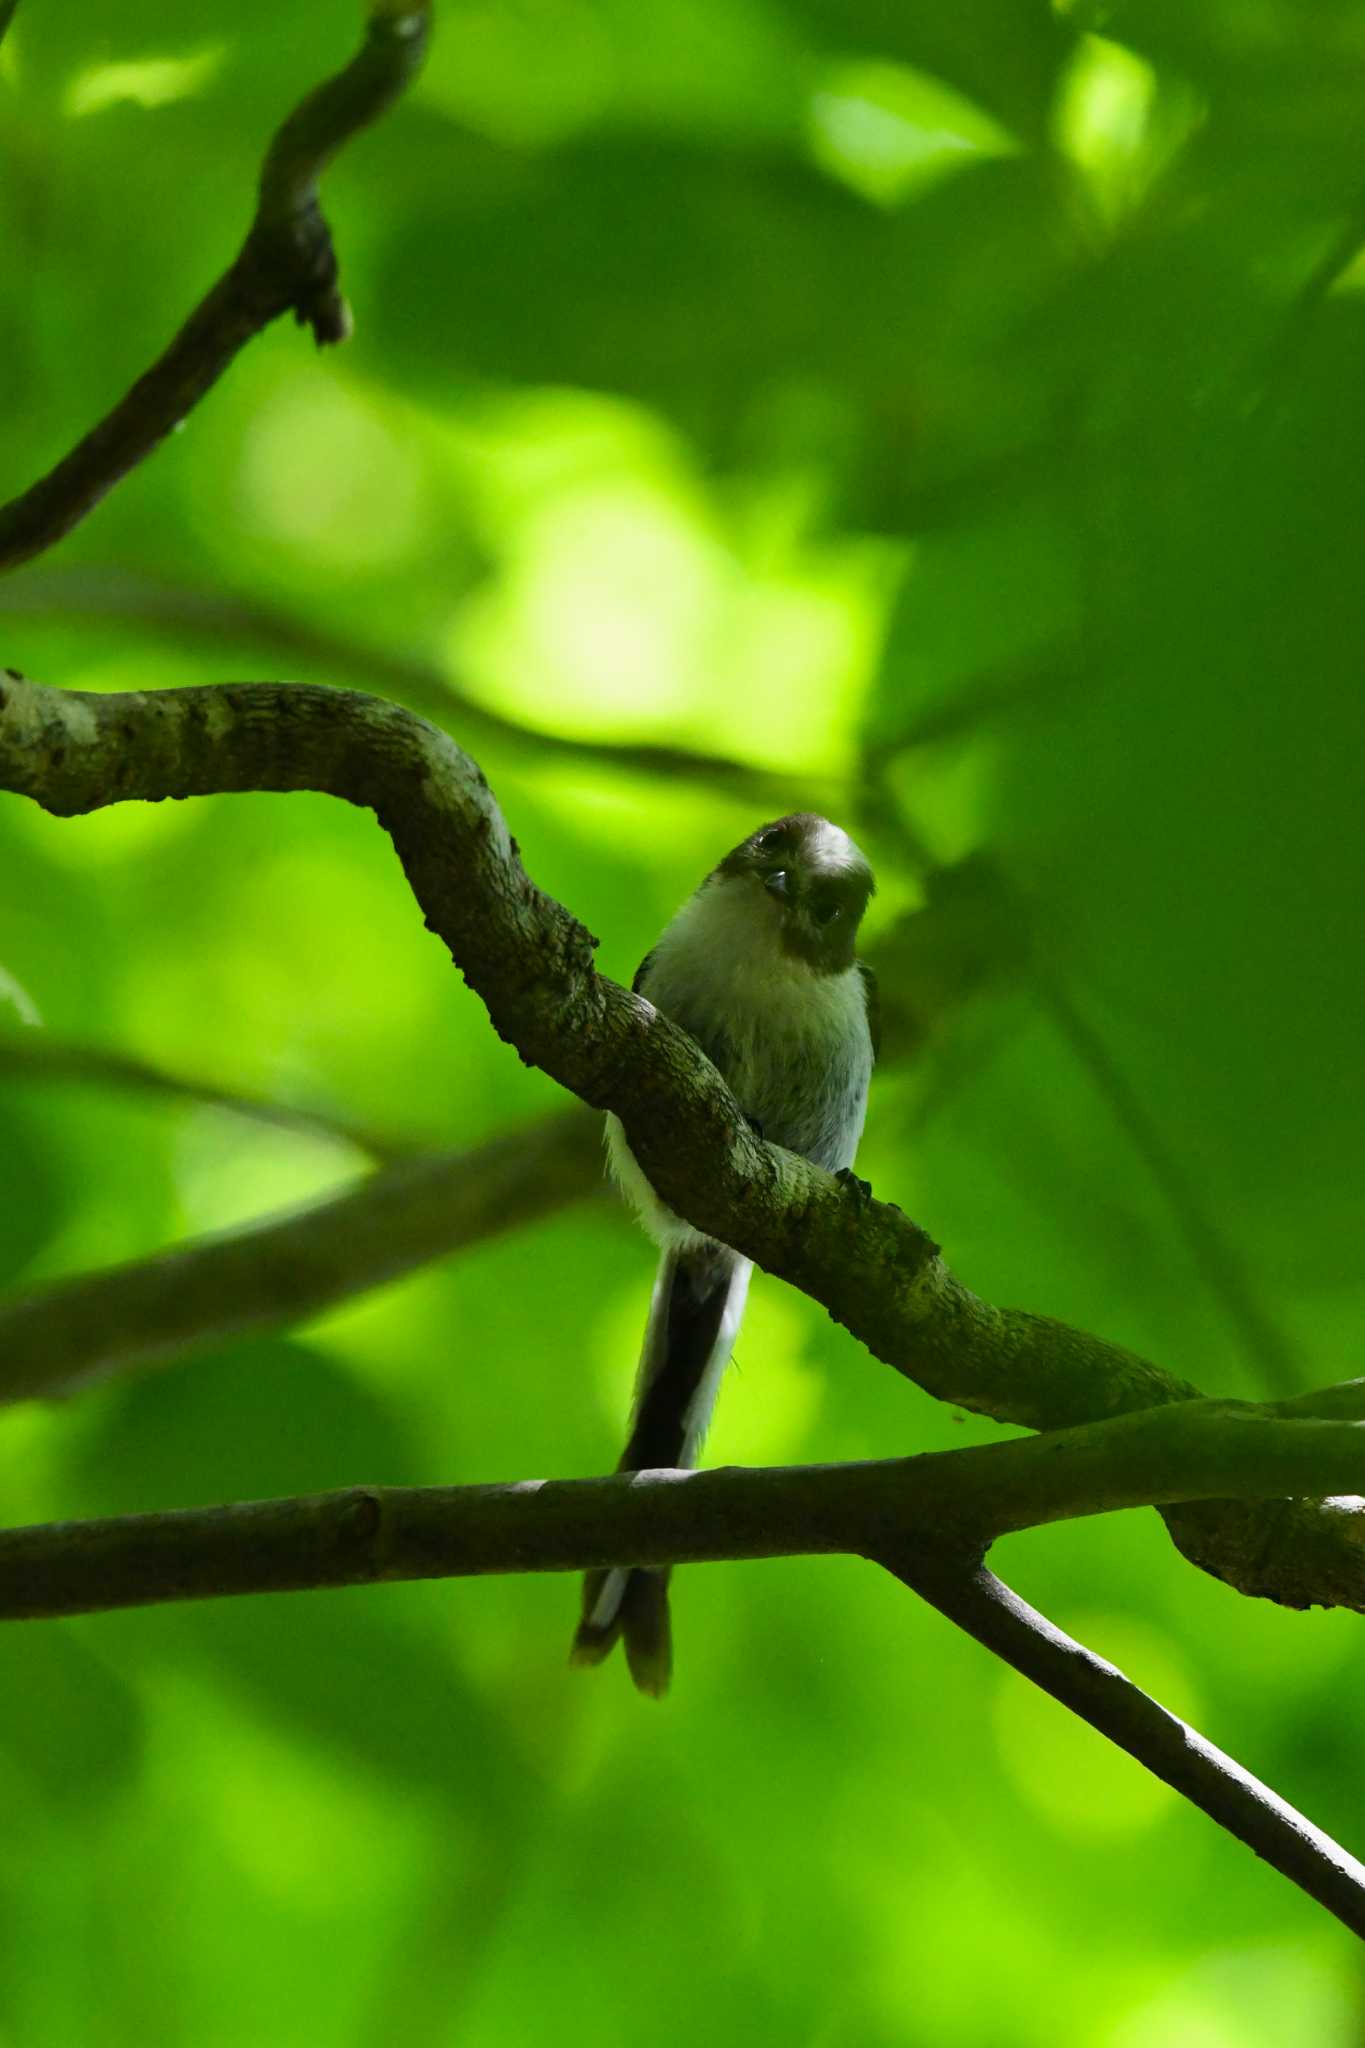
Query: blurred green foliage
(956, 413)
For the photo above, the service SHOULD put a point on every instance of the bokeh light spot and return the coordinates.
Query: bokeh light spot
(324, 473)
(149, 82)
(1078, 1780)
(890, 131)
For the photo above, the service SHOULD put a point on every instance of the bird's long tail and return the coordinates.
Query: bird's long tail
(698, 1302)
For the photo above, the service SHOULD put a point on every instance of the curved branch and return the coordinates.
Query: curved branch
(1168, 1747)
(67, 1333)
(286, 264)
(531, 962)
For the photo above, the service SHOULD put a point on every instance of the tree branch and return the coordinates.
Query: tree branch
(61, 1336)
(531, 962)
(945, 1507)
(33, 1055)
(1173, 1751)
(927, 1519)
(286, 264)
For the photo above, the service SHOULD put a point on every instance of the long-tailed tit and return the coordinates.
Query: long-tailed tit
(759, 967)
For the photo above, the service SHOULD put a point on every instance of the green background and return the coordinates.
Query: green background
(955, 414)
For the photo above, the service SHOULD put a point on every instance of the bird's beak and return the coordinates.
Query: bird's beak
(779, 883)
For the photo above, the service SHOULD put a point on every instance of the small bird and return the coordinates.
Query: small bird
(759, 967)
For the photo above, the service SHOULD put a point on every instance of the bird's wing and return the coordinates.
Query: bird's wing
(712, 1042)
(874, 1006)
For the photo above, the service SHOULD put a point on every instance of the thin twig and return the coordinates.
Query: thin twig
(1263, 1342)
(34, 1056)
(977, 906)
(974, 930)
(286, 264)
(1292, 337)
(996, 694)
(1099, 1693)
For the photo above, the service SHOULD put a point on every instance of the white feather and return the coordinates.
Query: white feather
(607, 1604)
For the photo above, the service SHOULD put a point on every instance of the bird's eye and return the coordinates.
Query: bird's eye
(826, 911)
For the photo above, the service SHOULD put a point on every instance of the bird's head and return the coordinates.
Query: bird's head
(813, 881)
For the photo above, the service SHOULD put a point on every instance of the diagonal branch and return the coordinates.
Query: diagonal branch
(974, 931)
(286, 264)
(34, 1055)
(67, 1333)
(1263, 1343)
(531, 962)
(1101, 1694)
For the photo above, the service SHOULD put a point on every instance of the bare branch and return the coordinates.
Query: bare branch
(941, 1509)
(286, 264)
(531, 962)
(1173, 1751)
(63, 1335)
(33, 1055)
